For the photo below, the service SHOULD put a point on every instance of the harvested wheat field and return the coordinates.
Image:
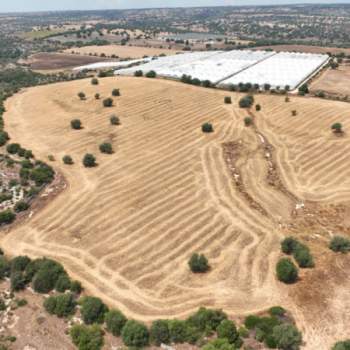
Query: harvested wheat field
(122, 51)
(333, 81)
(127, 228)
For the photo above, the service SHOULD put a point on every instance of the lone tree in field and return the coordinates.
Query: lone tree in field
(89, 160)
(248, 121)
(228, 100)
(76, 124)
(258, 107)
(207, 127)
(67, 160)
(286, 271)
(114, 120)
(82, 96)
(337, 128)
(198, 263)
(97, 96)
(138, 73)
(340, 244)
(106, 148)
(246, 101)
(94, 81)
(151, 74)
(116, 92)
(108, 102)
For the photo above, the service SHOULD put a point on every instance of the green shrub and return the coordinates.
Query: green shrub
(5, 267)
(115, 321)
(115, 92)
(178, 331)
(21, 206)
(106, 147)
(89, 160)
(13, 148)
(76, 124)
(63, 283)
(303, 256)
(93, 310)
(46, 276)
(342, 345)
(138, 73)
(42, 174)
(277, 311)
(248, 121)
(114, 120)
(207, 319)
(288, 245)
(82, 96)
(159, 332)
(87, 337)
(4, 137)
(97, 96)
(2, 305)
(227, 329)
(339, 244)
(219, 344)
(7, 216)
(19, 263)
(198, 263)
(304, 89)
(108, 102)
(246, 101)
(62, 305)
(286, 271)
(17, 281)
(67, 160)
(94, 81)
(228, 99)
(75, 287)
(287, 337)
(258, 107)
(336, 127)
(135, 334)
(243, 332)
(207, 127)
(151, 74)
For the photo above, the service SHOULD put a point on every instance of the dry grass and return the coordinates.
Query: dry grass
(122, 51)
(333, 81)
(127, 227)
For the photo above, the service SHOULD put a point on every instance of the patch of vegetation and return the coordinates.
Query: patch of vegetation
(76, 124)
(159, 332)
(135, 334)
(258, 108)
(67, 160)
(138, 73)
(82, 96)
(342, 345)
(286, 271)
(228, 99)
(246, 101)
(115, 92)
(207, 128)
(115, 321)
(94, 81)
(7, 217)
(198, 263)
(89, 160)
(151, 74)
(114, 120)
(62, 305)
(108, 102)
(337, 128)
(340, 244)
(93, 310)
(248, 121)
(87, 337)
(106, 147)
(301, 252)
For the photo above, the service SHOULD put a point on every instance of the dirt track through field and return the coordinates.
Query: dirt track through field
(127, 228)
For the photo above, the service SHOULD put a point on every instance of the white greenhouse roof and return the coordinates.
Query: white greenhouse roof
(237, 66)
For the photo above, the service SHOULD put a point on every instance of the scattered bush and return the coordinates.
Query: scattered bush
(207, 127)
(304, 89)
(159, 332)
(4, 137)
(87, 337)
(258, 107)
(277, 311)
(339, 244)
(227, 329)
(93, 310)
(97, 96)
(89, 160)
(342, 345)
(115, 92)
(246, 102)
(248, 121)
(75, 124)
(219, 344)
(42, 174)
(228, 100)
(151, 74)
(62, 305)
(114, 120)
(13, 148)
(7, 216)
(63, 283)
(17, 281)
(108, 102)
(135, 334)
(288, 245)
(303, 257)
(21, 206)
(82, 96)
(138, 73)
(178, 330)
(287, 337)
(337, 128)
(106, 148)
(68, 160)
(19, 263)
(198, 263)
(286, 99)
(115, 321)
(286, 271)
(75, 287)
(94, 81)
(294, 113)
(5, 267)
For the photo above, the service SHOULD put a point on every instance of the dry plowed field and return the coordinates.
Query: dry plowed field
(128, 227)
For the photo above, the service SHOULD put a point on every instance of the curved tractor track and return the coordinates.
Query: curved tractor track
(127, 228)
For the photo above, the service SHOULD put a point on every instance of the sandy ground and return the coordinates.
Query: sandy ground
(305, 48)
(333, 81)
(127, 228)
(122, 51)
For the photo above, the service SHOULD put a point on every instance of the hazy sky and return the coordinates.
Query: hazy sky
(44, 5)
